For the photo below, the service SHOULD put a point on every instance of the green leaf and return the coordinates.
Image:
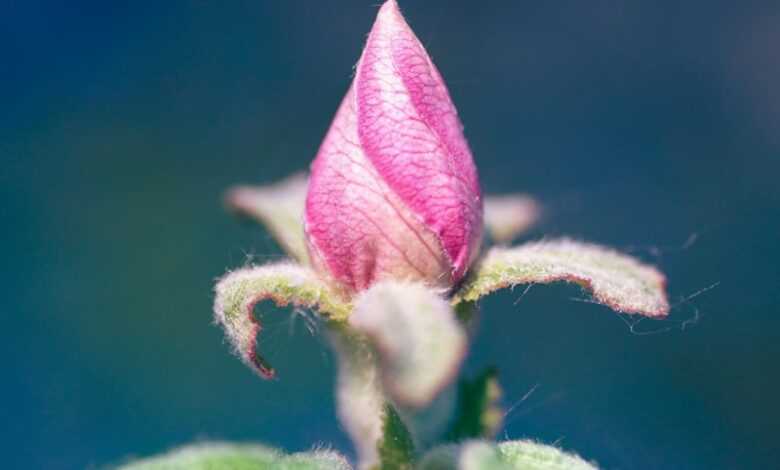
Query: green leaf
(479, 415)
(221, 456)
(238, 292)
(396, 449)
(614, 279)
(418, 340)
(514, 455)
(440, 458)
(507, 216)
(529, 455)
(471, 455)
(210, 456)
(316, 460)
(478, 455)
(279, 207)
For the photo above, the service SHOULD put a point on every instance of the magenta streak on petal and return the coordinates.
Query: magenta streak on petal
(409, 129)
(358, 230)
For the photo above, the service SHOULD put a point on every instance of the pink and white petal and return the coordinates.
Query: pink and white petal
(410, 131)
(358, 229)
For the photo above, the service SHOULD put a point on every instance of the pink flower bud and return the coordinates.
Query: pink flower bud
(394, 193)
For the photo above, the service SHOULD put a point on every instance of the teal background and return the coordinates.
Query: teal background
(651, 126)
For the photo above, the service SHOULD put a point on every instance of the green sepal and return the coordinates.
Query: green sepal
(396, 449)
(478, 412)
(614, 279)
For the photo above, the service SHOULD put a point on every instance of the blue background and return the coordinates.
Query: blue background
(651, 126)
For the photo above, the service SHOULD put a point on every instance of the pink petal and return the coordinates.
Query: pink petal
(394, 192)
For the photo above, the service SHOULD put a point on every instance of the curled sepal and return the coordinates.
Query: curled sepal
(535, 456)
(222, 456)
(285, 284)
(512, 455)
(614, 279)
(508, 216)
(419, 341)
(279, 207)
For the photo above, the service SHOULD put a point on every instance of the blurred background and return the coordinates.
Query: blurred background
(650, 126)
